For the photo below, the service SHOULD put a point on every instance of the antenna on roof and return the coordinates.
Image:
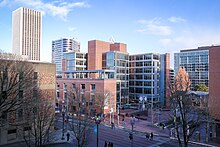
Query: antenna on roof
(112, 40)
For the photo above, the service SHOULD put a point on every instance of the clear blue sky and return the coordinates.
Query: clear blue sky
(144, 25)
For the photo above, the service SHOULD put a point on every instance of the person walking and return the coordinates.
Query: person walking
(105, 144)
(113, 125)
(151, 135)
(68, 136)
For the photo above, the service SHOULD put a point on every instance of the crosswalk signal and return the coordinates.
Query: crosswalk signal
(130, 136)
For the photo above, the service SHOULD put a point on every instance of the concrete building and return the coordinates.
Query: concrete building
(27, 33)
(119, 62)
(45, 77)
(148, 77)
(74, 61)
(196, 63)
(59, 47)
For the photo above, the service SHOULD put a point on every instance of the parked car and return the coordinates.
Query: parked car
(57, 110)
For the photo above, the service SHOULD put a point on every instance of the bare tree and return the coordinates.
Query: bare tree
(80, 123)
(38, 118)
(16, 77)
(186, 117)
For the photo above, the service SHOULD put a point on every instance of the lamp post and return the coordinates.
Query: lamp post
(97, 121)
(132, 121)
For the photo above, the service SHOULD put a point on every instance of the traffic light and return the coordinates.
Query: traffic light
(130, 136)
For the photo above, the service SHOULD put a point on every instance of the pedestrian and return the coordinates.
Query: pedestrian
(151, 135)
(112, 125)
(109, 144)
(105, 144)
(68, 136)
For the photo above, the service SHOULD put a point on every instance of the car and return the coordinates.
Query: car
(57, 110)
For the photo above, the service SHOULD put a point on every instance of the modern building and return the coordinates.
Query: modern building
(196, 63)
(144, 77)
(119, 62)
(59, 47)
(27, 33)
(148, 77)
(74, 61)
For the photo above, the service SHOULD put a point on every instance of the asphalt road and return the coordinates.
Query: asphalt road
(119, 137)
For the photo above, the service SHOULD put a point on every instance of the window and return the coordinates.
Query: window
(27, 128)
(12, 131)
(34, 93)
(20, 94)
(35, 75)
(92, 87)
(83, 86)
(4, 115)
(35, 110)
(74, 86)
(20, 113)
(21, 76)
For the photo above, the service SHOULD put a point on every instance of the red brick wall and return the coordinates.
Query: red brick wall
(101, 86)
(118, 47)
(214, 81)
(95, 50)
(167, 79)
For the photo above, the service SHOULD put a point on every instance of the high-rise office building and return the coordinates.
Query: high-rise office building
(196, 63)
(59, 47)
(27, 33)
(144, 77)
(119, 62)
(149, 76)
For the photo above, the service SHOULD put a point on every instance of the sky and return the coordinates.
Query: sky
(146, 26)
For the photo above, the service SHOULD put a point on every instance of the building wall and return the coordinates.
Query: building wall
(27, 33)
(214, 81)
(167, 80)
(102, 86)
(46, 79)
(95, 50)
(121, 47)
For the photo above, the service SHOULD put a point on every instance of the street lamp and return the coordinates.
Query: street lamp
(97, 121)
(63, 114)
(132, 121)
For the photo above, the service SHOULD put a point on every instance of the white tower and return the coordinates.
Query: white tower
(27, 33)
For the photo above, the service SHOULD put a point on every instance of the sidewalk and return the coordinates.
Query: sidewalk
(142, 126)
(56, 137)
